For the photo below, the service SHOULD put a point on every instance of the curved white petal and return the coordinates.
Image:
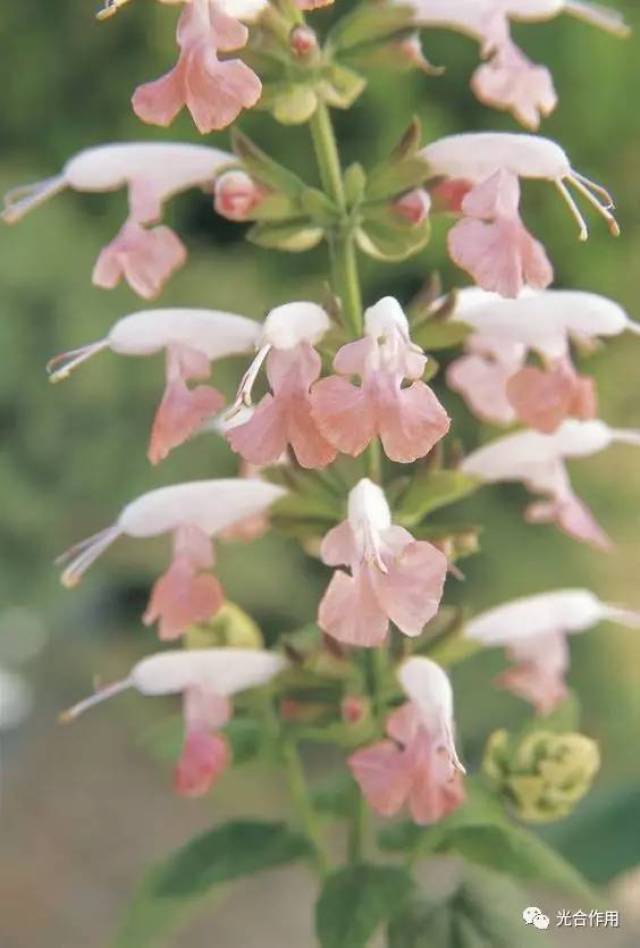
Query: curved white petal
(288, 325)
(214, 333)
(224, 671)
(566, 610)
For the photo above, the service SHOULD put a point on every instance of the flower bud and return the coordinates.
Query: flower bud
(413, 207)
(303, 41)
(354, 709)
(230, 627)
(236, 195)
(544, 774)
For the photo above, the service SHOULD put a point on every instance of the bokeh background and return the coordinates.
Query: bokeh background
(85, 809)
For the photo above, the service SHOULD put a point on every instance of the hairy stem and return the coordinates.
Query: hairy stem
(342, 251)
(306, 813)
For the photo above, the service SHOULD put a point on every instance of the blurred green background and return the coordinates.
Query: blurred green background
(84, 810)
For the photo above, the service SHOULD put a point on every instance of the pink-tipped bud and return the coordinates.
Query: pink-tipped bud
(414, 206)
(353, 709)
(236, 195)
(303, 41)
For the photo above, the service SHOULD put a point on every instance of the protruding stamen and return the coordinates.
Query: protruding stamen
(625, 436)
(24, 198)
(372, 551)
(633, 326)
(624, 616)
(586, 188)
(101, 694)
(110, 8)
(604, 17)
(594, 186)
(61, 366)
(80, 557)
(243, 396)
(573, 207)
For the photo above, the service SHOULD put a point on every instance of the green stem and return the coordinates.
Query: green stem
(300, 794)
(342, 251)
(357, 830)
(374, 461)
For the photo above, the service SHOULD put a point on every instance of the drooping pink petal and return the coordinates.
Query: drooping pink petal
(411, 589)
(338, 546)
(204, 758)
(204, 709)
(181, 412)
(193, 543)
(572, 516)
(145, 258)
(491, 242)
(182, 597)
(349, 610)
(214, 90)
(383, 776)
(510, 81)
(284, 417)
(544, 399)
(482, 383)
(436, 787)
(537, 675)
(410, 421)
(343, 414)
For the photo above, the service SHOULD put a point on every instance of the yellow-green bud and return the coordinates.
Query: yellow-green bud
(542, 775)
(230, 627)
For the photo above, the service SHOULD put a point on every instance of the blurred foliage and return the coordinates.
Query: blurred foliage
(75, 454)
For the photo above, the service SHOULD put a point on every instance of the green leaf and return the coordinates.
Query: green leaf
(369, 23)
(355, 901)
(319, 207)
(391, 243)
(437, 334)
(258, 164)
(410, 142)
(430, 490)
(294, 104)
(481, 911)
(340, 86)
(217, 857)
(355, 182)
(164, 740)
(392, 178)
(516, 852)
(337, 795)
(293, 237)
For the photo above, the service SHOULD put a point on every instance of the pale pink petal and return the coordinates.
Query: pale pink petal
(496, 196)
(544, 399)
(204, 758)
(410, 421)
(228, 32)
(181, 412)
(404, 724)
(338, 546)
(158, 102)
(146, 258)
(411, 590)
(573, 517)
(262, 439)
(217, 91)
(311, 448)
(448, 194)
(436, 788)
(482, 384)
(204, 709)
(181, 598)
(382, 775)
(501, 256)
(186, 363)
(349, 610)
(532, 683)
(194, 543)
(351, 359)
(343, 414)
(512, 82)
(145, 201)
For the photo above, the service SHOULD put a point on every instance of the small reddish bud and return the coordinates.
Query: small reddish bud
(414, 206)
(353, 709)
(303, 41)
(236, 195)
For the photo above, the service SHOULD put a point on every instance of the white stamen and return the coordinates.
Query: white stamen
(61, 366)
(243, 396)
(604, 17)
(625, 616)
(573, 207)
(19, 201)
(587, 188)
(110, 8)
(625, 436)
(372, 550)
(102, 694)
(80, 557)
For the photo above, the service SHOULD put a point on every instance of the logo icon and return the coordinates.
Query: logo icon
(532, 915)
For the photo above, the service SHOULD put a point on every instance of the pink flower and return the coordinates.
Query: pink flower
(413, 207)
(152, 172)
(192, 338)
(476, 157)
(512, 82)
(544, 398)
(491, 242)
(534, 630)
(393, 577)
(283, 417)
(481, 375)
(144, 257)
(215, 91)
(538, 461)
(409, 421)
(206, 679)
(191, 513)
(418, 766)
(237, 195)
